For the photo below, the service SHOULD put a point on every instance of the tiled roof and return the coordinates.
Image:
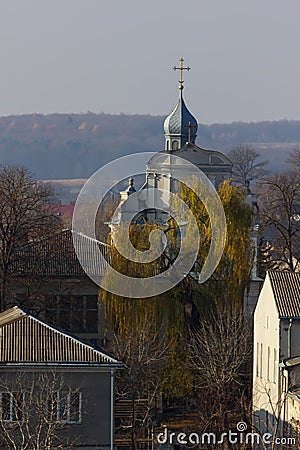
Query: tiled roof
(55, 256)
(25, 339)
(286, 290)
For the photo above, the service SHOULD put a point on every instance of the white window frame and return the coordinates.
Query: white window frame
(68, 394)
(11, 405)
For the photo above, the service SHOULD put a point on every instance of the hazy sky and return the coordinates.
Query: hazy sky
(117, 56)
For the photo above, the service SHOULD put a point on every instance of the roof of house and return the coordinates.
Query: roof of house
(290, 362)
(56, 256)
(25, 340)
(286, 290)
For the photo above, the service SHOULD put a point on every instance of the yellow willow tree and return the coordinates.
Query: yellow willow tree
(179, 309)
(127, 317)
(227, 284)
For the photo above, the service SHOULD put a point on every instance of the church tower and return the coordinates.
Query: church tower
(180, 127)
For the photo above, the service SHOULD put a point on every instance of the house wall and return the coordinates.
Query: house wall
(292, 416)
(266, 379)
(289, 338)
(292, 408)
(94, 429)
(95, 426)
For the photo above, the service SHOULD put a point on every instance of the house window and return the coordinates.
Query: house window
(76, 313)
(268, 362)
(275, 367)
(65, 407)
(91, 314)
(12, 406)
(261, 361)
(257, 359)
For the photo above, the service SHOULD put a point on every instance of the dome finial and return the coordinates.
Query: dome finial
(130, 188)
(181, 68)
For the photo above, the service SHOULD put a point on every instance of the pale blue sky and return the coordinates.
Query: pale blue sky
(117, 56)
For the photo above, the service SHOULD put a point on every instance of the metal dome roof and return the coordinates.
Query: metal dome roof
(181, 122)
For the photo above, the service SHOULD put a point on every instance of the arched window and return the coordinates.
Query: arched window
(175, 145)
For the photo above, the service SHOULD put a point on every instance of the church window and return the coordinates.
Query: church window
(215, 160)
(175, 145)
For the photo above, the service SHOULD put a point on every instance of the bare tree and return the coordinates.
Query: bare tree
(25, 215)
(246, 165)
(280, 217)
(270, 418)
(35, 411)
(294, 158)
(220, 356)
(139, 386)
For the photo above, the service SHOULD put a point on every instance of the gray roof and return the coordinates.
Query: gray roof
(27, 340)
(178, 121)
(286, 290)
(290, 362)
(56, 256)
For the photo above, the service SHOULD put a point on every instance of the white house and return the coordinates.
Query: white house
(276, 342)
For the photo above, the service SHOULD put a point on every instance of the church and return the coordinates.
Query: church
(180, 131)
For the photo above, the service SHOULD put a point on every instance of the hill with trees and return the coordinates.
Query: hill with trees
(66, 146)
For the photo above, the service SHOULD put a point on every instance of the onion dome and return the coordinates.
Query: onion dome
(180, 127)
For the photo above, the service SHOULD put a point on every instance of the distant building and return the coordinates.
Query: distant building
(276, 348)
(48, 280)
(81, 399)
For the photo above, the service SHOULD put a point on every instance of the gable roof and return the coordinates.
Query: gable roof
(286, 291)
(25, 339)
(56, 256)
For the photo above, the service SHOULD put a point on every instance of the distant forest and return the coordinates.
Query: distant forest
(66, 146)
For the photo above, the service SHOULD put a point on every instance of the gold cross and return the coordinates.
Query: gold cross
(181, 68)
